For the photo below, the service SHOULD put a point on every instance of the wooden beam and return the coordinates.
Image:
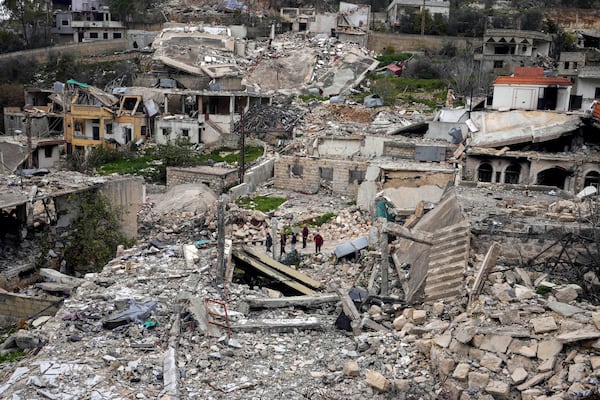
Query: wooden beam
(488, 263)
(284, 269)
(292, 301)
(277, 324)
(398, 230)
(272, 273)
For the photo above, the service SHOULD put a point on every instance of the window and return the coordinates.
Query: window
(295, 170)
(326, 174)
(166, 131)
(484, 172)
(567, 65)
(592, 179)
(64, 22)
(512, 174)
(185, 132)
(143, 130)
(48, 152)
(524, 49)
(356, 176)
(117, 35)
(109, 129)
(597, 93)
(498, 64)
(105, 35)
(93, 35)
(574, 64)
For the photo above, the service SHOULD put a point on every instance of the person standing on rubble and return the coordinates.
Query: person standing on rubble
(294, 241)
(304, 236)
(283, 240)
(268, 242)
(318, 242)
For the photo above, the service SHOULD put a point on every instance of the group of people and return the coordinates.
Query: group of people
(318, 239)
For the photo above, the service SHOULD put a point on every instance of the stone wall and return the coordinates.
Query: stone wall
(305, 175)
(46, 54)
(407, 43)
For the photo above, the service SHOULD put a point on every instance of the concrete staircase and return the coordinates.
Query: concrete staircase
(448, 258)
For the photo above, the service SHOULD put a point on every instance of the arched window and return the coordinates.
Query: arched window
(592, 178)
(553, 177)
(512, 174)
(484, 172)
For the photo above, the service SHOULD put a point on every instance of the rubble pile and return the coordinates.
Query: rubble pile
(184, 213)
(292, 63)
(513, 341)
(262, 119)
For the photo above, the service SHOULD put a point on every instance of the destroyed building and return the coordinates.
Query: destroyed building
(450, 269)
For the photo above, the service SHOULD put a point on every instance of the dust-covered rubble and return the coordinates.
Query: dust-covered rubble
(513, 341)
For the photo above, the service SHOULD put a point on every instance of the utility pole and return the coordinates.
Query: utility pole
(242, 168)
(29, 144)
(423, 19)
(221, 241)
(385, 263)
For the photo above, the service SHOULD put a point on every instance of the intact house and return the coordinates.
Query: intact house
(583, 68)
(399, 8)
(87, 20)
(529, 89)
(505, 49)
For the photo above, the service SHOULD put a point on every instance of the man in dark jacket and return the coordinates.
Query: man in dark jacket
(268, 242)
(283, 240)
(304, 236)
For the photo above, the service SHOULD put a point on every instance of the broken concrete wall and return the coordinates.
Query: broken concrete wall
(254, 177)
(438, 130)
(405, 188)
(170, 128)
(127, 194)
(15, 123)
(340, 146)
(14, 306)
(306, 175)
(216, 178)
(323, 23)
(137, 39)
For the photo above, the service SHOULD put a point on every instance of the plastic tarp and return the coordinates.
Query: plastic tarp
(135, 312)
(351, 247)
(456, 134)
(74, 82)
(373, 101)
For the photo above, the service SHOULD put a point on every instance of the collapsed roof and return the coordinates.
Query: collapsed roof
(518, 126)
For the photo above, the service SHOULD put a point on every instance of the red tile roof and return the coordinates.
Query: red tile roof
(531, 76)
(533, 80)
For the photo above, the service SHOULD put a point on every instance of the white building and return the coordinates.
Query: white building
(529, 89)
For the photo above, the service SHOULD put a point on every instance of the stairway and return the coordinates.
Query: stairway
(448, 257)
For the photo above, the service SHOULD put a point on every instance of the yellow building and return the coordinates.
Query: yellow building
(104, 120)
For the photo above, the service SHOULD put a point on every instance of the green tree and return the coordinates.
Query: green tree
(135, 11)
(95, 234)
(33, 18)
